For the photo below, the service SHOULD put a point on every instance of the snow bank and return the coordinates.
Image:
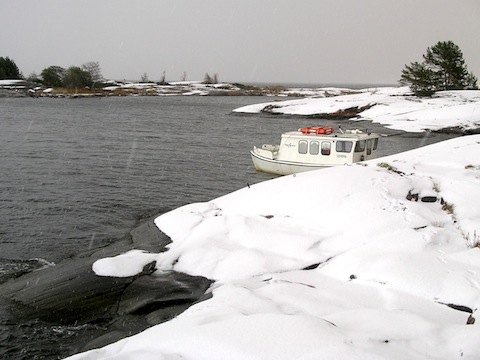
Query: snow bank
(11, 82)
(393, 107)
(341, 263)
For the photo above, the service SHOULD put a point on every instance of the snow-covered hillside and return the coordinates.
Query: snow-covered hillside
(371, 261)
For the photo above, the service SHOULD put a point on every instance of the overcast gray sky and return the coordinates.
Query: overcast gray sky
(267, 41)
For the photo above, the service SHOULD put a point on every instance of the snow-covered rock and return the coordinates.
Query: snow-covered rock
(340, 263)
(395, 108)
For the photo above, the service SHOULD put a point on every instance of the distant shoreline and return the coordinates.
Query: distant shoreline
(18, 88)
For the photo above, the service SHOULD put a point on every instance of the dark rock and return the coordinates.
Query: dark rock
(161, 315)
(412, 197)
(115, 330)
(149, 268)
(158, 291)
(457, 130)
(71, 293)
(106, 339)
(459, 307)
(147, 237)
(312, 267)
(66, 293)
(429, 199)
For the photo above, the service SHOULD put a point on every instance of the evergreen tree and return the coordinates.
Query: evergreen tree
(443, 68)
(76, 77)
(420, 79)
(9, 70)
(53, 76)
(446, 60)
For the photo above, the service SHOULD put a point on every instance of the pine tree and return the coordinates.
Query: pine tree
(76, 77)
(443, 68)
(8, 69)
(53, 76)
(420, 78)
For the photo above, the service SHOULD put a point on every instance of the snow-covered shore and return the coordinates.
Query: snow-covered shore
(379, 260)
(395, 108)
(125, 88)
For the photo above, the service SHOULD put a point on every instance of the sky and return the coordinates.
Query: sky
(251, 41)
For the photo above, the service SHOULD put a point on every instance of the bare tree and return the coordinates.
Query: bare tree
(162, 79)
(93, 68)
(207, 79)
(184, 77)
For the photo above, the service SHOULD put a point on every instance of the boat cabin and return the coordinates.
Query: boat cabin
(329, 148)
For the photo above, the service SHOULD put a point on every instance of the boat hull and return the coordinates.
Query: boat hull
(279, 167)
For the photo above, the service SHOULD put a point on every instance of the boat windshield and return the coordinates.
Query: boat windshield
(360, 146)
(344, 146)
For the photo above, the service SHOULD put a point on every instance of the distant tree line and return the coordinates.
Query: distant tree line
(87, 75)
(443, 68)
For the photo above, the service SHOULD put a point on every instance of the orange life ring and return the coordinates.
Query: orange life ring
(328, 130)
(308, 130)
(317, 130)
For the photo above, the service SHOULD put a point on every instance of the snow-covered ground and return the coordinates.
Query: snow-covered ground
(393, 107)
(173, 88)
(379, 260)
(388, 266)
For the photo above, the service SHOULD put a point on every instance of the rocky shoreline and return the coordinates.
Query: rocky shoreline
(151, 89)
(70, 293)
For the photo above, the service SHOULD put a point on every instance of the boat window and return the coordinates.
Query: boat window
(326, 145)
(343, 146)
(369, 146)
(302, 146)
(360, 146)
(375, 143)
(314, 147)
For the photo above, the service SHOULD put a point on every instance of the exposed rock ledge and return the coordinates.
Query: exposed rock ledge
(71, 293)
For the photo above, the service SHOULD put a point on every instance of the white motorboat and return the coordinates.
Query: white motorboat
(314, 148)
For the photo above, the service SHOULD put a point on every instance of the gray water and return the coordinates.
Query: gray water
(77, 174)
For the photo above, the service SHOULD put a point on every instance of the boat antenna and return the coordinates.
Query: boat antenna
(340, 128)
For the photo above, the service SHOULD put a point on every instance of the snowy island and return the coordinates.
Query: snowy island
(395, 108)
(379, 260)
(16, 88)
